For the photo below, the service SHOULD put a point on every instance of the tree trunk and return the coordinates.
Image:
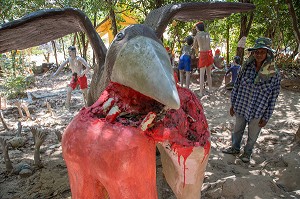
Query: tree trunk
(294, 21)
(63, 47)
(158, 3)
(74, 39)
(227, 45)
(95, 24)
(112, 17)
(84, 45)
(79, 45)
(13, 61)
(245, 26)
(270, 32)
(47, 57)
(55, 53)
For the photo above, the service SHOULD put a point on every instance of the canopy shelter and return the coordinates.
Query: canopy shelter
(105, 27)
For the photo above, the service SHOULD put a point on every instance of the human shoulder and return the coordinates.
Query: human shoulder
(220, 58)
(66, 61)
(202, 33)
(81, 59)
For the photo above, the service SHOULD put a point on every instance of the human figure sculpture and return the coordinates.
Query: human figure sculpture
(109, 147)
(206, 60)
(184, 66)
(218, 60)
(77, 65)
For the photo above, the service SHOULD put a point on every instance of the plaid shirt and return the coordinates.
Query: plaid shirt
(254, 100)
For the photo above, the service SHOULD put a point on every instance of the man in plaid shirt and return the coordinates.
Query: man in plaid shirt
(253, 96)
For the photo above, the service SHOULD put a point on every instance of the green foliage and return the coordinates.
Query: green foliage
(15, 87)
(14, 70)
(36, 51)
(286, 61)
(271, 19)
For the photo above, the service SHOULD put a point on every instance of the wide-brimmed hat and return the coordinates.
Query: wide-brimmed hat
(262, 42)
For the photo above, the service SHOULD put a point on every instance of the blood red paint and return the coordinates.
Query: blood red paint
(184, 128)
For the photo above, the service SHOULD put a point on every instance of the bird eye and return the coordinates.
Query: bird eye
(120, 36)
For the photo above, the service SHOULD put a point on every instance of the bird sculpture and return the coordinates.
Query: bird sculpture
(134, 104)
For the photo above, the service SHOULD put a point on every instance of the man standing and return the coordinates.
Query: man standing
(202, 42)
(77, 65)
(253, 96)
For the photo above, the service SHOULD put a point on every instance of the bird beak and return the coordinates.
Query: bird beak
(144, 65)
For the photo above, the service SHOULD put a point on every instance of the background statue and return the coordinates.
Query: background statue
(79, 68)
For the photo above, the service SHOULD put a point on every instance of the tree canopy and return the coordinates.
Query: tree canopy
(274, 19)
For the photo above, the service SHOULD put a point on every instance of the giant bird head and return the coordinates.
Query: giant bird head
(136, 57)
(139, 61)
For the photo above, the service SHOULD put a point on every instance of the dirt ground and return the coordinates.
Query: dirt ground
(272, 173)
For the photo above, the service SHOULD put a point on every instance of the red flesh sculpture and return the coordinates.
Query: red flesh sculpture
(109, 156)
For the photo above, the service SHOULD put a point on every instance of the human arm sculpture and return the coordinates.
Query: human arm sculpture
(86, 65)
(62, 65)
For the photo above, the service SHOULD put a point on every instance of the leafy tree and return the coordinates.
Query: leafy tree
(15, 71)
(268, 19)
(295, 20)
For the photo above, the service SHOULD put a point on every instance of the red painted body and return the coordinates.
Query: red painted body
(116, 159)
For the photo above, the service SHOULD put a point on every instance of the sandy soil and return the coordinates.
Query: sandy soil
(272, 173)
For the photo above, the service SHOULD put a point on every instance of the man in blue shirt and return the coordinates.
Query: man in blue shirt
(253, 96)
(234, 70)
